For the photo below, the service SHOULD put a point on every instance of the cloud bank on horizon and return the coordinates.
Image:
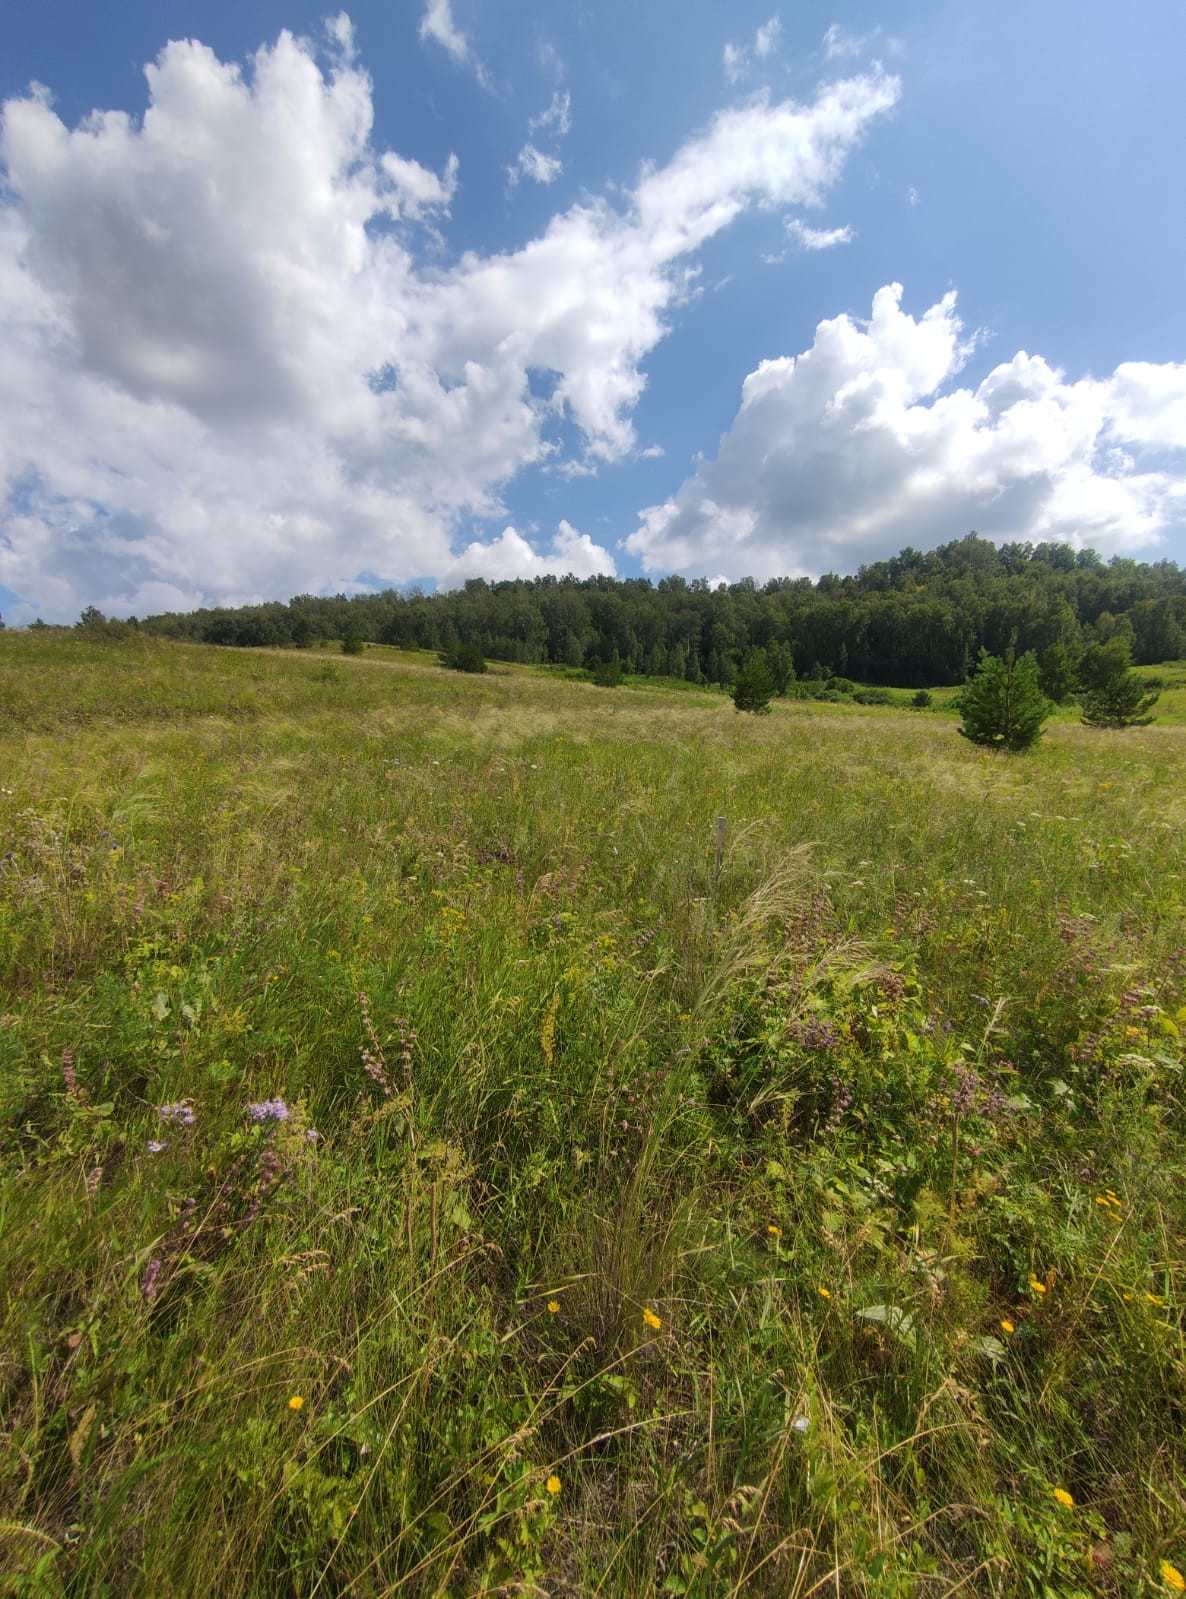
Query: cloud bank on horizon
(240, 360)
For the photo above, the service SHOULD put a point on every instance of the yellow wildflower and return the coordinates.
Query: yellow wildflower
(1172, 1577)
(1064, 1499)
(296, 1402)
(1155, 1299)
(553, 1485)
(824, 1294)
(651, 1320)
(1038, 1288)
(553, 1306)
(775, 1232)
(1007, 1325)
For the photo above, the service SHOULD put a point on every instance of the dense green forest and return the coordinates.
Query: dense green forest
(915, 620)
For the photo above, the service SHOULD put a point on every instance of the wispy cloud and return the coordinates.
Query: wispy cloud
(817, 238)
(737, 58)
(557, 119)
(534, 164)
(437, 24)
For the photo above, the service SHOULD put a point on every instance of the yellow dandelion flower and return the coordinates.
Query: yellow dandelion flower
(1172, 1577)
(1007, 1325)
(651, 1320)
(1155, 1299)
(1102, 1199)
(1038, 1288)
(553, 1306)
(296, 1402)
(553, 1485)
(1064, 1499)
(775, 1232)
(824, 1294)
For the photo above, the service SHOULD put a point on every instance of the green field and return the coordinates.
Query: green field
(813, 1222)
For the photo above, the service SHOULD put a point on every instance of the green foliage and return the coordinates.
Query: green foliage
(1057, 677)
(1113, 695)
(915, 620)
(753, 686)
(463, 658)
(1102, 664)
(1126, 701)
(922, 700)
(608, 674)
(781, 662)
(1002, 705)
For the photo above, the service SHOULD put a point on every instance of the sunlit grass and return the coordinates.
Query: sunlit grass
(907, 1067)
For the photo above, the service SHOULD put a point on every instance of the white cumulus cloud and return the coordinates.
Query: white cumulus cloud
(233, 366)
(857, 447)
(510, 555)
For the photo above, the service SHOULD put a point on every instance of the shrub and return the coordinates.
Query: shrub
(753, 686)
(1124, 702)
(873, 696)
(1001, 704)
(463, 658)
(608, 674)
(923, 700)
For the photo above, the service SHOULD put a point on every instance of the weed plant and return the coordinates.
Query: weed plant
(426, 1172)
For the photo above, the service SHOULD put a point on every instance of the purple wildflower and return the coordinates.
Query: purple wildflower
(148, 1287)
(269, 1110)
(182, 1112)
(155, 1146)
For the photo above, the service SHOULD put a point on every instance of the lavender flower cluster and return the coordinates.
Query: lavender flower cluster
(269, 1110)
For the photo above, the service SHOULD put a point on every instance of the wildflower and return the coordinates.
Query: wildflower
(1155, 1299)
(1064, 1499)
(775, 1232)
(824, 1294)
(155, 1146)
(1172, 1577)
(651, 1320)
(1038, 1288)
(553, 1306)
(311, 1135)
(1007, 1325)
(182, 1112)
(269, 1110)
(296, 1402)
(553, 1485)
(148, 1284)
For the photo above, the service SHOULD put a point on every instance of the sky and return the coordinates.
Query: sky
(303, 301)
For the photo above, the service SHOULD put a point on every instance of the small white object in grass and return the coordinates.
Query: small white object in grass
(801, 1423)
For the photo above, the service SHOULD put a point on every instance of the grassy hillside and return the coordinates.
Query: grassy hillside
(425, 1172)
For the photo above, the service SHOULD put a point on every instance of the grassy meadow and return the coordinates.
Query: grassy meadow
(428, 1170)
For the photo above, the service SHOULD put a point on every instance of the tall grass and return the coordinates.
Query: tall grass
(814, 1225)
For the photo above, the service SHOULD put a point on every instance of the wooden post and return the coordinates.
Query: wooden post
(716, 873)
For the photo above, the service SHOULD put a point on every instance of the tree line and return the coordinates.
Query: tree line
(918, 619)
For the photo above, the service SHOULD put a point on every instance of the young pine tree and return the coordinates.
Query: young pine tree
(753, 685)
(1002, 704)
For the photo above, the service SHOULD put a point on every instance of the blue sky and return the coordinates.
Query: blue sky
(299, 301)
